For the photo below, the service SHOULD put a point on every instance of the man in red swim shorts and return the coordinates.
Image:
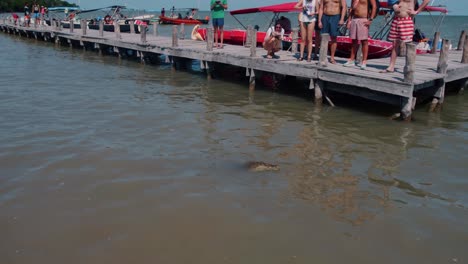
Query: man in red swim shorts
(402, 28)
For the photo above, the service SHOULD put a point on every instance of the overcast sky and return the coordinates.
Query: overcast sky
(456, 7)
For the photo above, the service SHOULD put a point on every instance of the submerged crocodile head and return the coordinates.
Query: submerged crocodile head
(258, 166)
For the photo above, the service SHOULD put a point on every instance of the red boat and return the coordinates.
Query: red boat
(378, 47)
(178, 21)
(183, 16)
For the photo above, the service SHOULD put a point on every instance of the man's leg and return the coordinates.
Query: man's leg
(365, 52)
(393, 57)
(221, 28)
(216, 29)
(354, 49)
(332, 49)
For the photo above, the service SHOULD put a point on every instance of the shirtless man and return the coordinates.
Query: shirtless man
(359, 29)
(331, 16)
(402, 28)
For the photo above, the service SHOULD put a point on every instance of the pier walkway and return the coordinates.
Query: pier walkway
(423, 74)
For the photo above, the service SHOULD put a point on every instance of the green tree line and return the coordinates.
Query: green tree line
(18, 5)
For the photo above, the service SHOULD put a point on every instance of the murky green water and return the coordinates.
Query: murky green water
(108, 161)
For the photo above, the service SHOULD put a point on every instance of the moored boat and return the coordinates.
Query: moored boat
(183, 16)
(114, 14)
(378, 46)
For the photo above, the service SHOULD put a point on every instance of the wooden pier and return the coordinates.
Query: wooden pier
(415, 76)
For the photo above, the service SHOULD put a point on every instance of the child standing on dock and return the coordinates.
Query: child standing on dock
(402, 28)
(217, 8)
(358, 27)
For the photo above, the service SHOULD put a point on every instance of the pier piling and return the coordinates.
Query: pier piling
(442, 65)
(435, 42)
(461, 40)
(465, 51)
(324, 50)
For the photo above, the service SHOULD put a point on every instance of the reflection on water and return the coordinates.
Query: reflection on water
(105, 160)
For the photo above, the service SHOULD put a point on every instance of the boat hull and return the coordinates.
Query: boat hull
(110, 28)
(377, 48)
(177, 21)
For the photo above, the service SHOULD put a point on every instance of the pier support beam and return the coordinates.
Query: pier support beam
(464, 86)
(182, 31)
(465, 51)
(175, 39)
(295, 39)
(143, 33)
(409, 103)
(324, 50)
(101, 28)
(253, 47)
(442, 65)
(461, 41)
(83, 27)
(319, 85)
(117, 30)
(248, 40)
(72, 26)
(410, 61)
(132, 26)
(209, 39)
(155, 29)
(252, 79)
(435, 42)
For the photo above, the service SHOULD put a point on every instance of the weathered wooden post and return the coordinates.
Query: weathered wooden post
(252, 78)
(409, 102)
(402, 49)
(319, 85)
(253, 46)
(324, 50)
(72, 26)
(132, 26)
(155, 29)
(465, 51)
(248, 40)
(435, 42)
(117, 30)
(101, 28)
(209, 39)
(442, 65)
(143, 33)
(461, 41)
(410, 61)
(175, 39)
(182, 31)
(83, 27)
(295, 37)
(359, 54)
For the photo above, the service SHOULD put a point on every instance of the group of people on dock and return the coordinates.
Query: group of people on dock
(328, 16)
(38, 13)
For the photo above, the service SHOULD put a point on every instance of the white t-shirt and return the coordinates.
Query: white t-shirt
(308, 14)
(271, 29)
